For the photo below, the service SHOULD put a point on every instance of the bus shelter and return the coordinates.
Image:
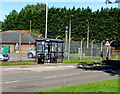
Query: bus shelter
(49, 50)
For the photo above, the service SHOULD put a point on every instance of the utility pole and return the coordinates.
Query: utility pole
(46, 18)
(87, 33)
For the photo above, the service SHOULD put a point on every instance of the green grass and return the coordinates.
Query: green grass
(17, 63)
(101, 86)
(33, 63)
(81, 61)
(77, 56)
(19, 53)
(117, 58)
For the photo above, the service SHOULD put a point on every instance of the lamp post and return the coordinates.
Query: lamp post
(87, 33)
(46, 18)
(69, 37)
(66, 40)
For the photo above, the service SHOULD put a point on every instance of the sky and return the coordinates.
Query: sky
(6, 6)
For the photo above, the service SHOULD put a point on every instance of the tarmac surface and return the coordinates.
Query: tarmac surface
(32, 78)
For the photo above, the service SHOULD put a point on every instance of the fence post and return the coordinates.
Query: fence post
(81, 48)
(110, 50)
(69, 48)
(101, 54)
(92, 48)
(102, 45)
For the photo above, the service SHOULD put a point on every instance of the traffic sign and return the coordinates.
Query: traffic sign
(107, 43)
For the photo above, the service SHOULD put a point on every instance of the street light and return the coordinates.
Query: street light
(66, 41)
(87, 33)
(69, 37)
(46, 18)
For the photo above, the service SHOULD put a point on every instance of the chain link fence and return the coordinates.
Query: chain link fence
(79, 50)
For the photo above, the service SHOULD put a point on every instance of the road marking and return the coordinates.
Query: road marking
(49, 77)
(68, 74)
(60, 76)
(12, 82)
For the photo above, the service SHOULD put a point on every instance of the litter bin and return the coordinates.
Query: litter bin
(40, 59)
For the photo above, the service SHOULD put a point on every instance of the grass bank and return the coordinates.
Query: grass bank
(101, 86)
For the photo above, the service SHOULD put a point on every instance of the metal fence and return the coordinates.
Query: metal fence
(79, 50)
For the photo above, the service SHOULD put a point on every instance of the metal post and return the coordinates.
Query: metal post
(87, 33)
(102, 49)
(81, 51)
(102, 45)
(109, 52)
(20, 41)
(30, 25)
(69, 38)
(66, 37)
(46, 18)
(92, 48)
(81, 48)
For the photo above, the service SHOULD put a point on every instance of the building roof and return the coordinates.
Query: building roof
(13, 36)
(50, 40)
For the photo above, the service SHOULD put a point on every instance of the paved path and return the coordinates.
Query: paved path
(31, 78)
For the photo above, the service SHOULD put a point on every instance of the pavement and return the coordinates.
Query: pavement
(32, 78)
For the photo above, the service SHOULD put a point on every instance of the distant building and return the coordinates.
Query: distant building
(12, 38)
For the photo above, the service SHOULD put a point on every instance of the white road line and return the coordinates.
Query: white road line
(60, 76)
(12, 82)
(69, 75)
(49, 77)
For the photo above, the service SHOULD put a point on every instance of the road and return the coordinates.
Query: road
(32, 78)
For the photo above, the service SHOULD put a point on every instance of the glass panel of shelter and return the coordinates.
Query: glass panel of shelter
(52, 54)
(60, 52)
(39, 47)
(52, 51)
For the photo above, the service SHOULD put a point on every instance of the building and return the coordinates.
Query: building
(18, 40)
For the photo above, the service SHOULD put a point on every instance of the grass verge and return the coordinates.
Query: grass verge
(77, 56)
(101, 86)
(17, 63)
(81, 61)
(33, 63)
